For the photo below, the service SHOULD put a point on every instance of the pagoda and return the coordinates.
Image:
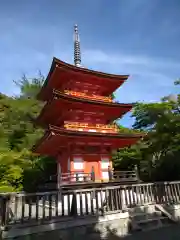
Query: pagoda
(79, 116)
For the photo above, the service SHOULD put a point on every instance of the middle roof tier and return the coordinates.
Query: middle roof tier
(63, 107)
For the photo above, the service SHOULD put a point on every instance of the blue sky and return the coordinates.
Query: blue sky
(136, 37)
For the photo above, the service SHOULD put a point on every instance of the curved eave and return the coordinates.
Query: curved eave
(56, 63)
(68, 66)
(120, 108)
(58, 130)
(55, 138)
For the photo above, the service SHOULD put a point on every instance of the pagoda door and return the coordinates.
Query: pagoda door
(92, 162)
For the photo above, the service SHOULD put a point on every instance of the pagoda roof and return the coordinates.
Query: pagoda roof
(59, 109)
(63, 75)
(56, 139)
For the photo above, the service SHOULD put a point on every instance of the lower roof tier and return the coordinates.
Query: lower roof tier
(67, 108)
(56, 139)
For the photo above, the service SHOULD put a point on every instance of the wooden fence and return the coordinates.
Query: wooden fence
(81, 177)
(20, 208)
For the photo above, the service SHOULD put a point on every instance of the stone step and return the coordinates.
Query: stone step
(149, 224)
(144, 216)
(143, 209)
(154, 223)
(166, 212)
(155, 219)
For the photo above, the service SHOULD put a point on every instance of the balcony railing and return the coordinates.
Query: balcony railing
(73, 177)
(90, 97)
(91, 127)
(76, 177)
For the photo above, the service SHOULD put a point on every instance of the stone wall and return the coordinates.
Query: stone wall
(88, 233)
(174, 210)
(109, 227)
(91, 227)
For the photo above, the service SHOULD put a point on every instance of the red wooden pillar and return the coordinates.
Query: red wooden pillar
(58, 161)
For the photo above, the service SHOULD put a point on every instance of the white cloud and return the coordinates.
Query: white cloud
(145, 62)
(150, 78)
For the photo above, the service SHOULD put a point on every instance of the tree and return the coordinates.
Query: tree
(30, 87)
(19, 168)
(162, 143)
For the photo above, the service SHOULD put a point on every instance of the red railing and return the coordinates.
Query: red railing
(82, 177)
(111, 128)
(91, 97)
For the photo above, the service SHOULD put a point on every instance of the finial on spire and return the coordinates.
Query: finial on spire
(77, 50)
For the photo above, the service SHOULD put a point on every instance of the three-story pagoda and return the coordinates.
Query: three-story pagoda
(78, 117)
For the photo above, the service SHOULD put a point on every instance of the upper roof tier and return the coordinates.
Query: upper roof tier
(63, 76)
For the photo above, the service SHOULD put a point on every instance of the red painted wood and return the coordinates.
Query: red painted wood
(59, 110)
(63, 144)
(93, 160)
(62, 78)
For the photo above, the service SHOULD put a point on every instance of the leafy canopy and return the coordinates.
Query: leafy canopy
(157, 155)
(19, 168)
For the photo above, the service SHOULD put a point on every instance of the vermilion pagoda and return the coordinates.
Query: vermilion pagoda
(78, 118)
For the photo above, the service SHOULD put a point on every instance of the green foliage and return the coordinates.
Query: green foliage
(129, 130)
(157, 155)
(177, 82)
(11, 169)
(113, 96)
(19, 168)
(30, 87)
(147, 115)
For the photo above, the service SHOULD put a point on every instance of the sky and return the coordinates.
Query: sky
(136, 37)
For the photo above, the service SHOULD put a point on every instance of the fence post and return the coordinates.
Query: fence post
(77, 177)
(137, 173)
(110, 173)
(74, 205)
(93, 174)
(4, 199)
(85, 178)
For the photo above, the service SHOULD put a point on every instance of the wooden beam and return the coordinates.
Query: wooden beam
(62, 117)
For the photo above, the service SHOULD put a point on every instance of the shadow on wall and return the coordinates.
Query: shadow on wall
(168, 233)
(147, 218)
(148, 229)
(110, 230)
